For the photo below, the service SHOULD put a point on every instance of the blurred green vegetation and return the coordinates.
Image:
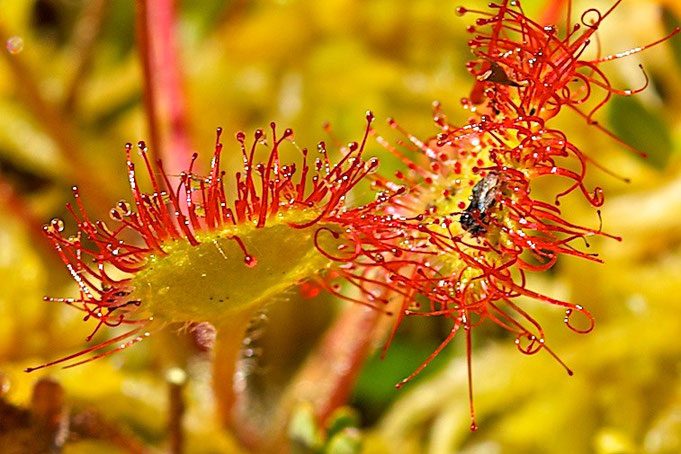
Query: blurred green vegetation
(301, 63)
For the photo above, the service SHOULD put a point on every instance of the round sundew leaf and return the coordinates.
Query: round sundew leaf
(212, 280)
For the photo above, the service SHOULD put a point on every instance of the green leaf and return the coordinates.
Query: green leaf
(641, 128)
(375, 388)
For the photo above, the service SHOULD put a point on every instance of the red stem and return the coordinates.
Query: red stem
(163, 93)
(336, 362)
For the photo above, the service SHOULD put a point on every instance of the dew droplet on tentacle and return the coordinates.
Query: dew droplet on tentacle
(56, 225)
(250, 261)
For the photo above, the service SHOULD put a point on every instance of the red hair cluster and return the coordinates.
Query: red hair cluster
(197, 204)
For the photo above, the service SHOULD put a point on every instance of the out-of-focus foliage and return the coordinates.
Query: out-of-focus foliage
(300, 63)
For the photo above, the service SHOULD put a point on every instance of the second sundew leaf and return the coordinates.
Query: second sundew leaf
(641, 128)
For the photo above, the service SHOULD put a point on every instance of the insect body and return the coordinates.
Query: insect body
(485, 191)
(497, 75)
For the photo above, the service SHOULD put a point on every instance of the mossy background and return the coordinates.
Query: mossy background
(300, 63)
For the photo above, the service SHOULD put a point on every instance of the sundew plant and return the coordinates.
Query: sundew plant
(460, 229)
